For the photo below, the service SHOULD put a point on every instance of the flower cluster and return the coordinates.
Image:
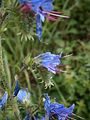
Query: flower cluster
(23, 96)
(42, 9)
(54, 110)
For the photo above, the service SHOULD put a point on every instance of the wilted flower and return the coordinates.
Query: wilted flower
(49, 61)
(3, 100)
(56, 109)
(42, 9)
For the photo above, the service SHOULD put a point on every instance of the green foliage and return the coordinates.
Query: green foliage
(19, 47)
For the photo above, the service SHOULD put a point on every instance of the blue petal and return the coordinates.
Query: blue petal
(47, 5)
(58, 109)
(50, 68)
(3, 100)
(47, 104)
(71, 108)
(56, 105)
(42, 17)
(48, 57)
(61, 118)
(24, 1)
(36, 1)
(23, 96)
(17, 88)
(49, 61)
(61, 111)
(38, 26)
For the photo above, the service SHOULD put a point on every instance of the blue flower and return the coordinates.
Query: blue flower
(61, 111)
(23, 96)
(39, 7)
(47, 104)
(57, 109)
(38, 26)
(49, 61)
(3, 100)
(42, 9)
(17, 88)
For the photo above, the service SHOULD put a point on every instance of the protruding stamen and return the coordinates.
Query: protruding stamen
(78, 116)
(63, 71)
(71, 118)
(67, 56)
(56, 12)
(56, 15)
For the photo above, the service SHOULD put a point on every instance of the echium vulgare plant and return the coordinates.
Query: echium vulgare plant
(41, 9)
(30, 102)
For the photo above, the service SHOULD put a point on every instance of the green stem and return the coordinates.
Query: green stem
(27, 79)
(59, 92)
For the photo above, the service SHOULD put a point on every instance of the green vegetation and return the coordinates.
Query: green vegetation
(19, 45)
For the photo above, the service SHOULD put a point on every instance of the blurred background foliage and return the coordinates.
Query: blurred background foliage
(70, 36)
